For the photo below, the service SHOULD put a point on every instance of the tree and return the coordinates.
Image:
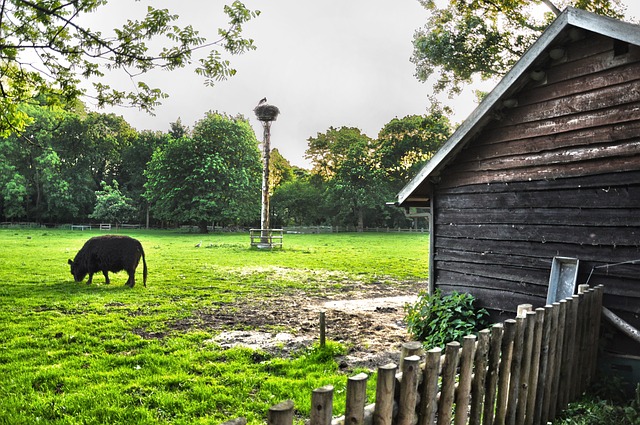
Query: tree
(46, 50)
(463, 39)
(299, 201)
(212, 177)
(112, 205)
(405, 144)
(356, 185)
(280, 170)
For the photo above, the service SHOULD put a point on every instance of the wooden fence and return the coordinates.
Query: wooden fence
(523, 371)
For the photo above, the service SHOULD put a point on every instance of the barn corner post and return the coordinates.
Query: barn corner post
(266, 114)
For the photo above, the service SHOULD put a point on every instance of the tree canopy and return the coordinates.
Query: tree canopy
(46, 50)
(484, 38)
(212, 176)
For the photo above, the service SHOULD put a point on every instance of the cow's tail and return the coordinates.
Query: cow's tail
(144, 268)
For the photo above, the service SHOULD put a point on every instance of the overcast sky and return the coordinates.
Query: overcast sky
(322, 63)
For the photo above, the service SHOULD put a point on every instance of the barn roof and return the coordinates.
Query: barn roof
(566, 27)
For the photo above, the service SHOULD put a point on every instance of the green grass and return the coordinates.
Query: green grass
(71, 353)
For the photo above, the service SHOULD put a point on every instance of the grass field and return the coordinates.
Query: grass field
(77, 354)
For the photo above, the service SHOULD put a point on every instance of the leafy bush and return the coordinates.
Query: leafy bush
(596, 411)
(438, 319)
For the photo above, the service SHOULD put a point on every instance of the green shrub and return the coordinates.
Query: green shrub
(438, 319)
(593, 410)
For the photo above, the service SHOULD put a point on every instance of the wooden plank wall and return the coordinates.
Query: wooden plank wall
(558, 175)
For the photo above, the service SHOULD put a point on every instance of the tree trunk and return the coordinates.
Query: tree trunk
(203, 228)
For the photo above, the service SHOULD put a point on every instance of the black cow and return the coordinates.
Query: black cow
(109, 253)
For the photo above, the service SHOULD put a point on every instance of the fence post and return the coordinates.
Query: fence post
(281, 414)
(408, 391)
(464, 386)
(445, 406)
(532, 396)
(567, 355)
(597, 311)
(429, 396)
(551, 363)
(480, 368)
(525, 368)
(506, 356)
(559, 337)
(497, 333)
(411, 348)
(516, 365)
(575, 349)
(583, 317)
(321, 406)
(356, 399)
(385, 389)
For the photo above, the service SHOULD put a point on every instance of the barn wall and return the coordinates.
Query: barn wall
(558, 175)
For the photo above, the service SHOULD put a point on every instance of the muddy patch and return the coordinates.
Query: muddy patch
(372, 328)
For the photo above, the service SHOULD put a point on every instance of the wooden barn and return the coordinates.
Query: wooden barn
(547, 166)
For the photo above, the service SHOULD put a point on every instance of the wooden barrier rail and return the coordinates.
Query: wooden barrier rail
(523, 371)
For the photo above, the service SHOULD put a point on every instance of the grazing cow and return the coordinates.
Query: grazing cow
(109, 253)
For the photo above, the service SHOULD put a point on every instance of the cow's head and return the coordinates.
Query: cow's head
(77, 271)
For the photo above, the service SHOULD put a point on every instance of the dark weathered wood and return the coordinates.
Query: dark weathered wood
(579, 102)
(607, 217)
(536, 357)
(463, 394)
(356, 399)
(562, 311)
(447, 395)
(408, 391)
(579, 84)
(525, 370)
(544, 366)
(578, 235)
(602, 197)
(567, 356)
(493, 371)
(551, 365)
(506, 355)
(281, 414)
(321, 406)
(429, 395)
(597, 313)
(480, 375)
(385, 390)
(514, 376)
(583, 182)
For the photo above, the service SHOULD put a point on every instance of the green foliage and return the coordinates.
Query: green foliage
(355, 184)
(438, 319)
(596, 411)
(405, 144)
(112, 205)
(464, 39)
(94, 354)
(67, 52)
(213, 176)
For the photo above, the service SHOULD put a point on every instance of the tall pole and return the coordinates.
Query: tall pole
(266, 154)
(266, 114)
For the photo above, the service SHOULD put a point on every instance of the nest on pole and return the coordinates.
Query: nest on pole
(266, 112)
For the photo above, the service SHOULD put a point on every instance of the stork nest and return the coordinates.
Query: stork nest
(266, 112)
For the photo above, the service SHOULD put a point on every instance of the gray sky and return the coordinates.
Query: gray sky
(322, 63)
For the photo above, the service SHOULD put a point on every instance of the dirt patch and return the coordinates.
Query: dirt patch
(367, 319)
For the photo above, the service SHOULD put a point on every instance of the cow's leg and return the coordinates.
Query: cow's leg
(90, 278)
(132, 279)
(106, 277)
